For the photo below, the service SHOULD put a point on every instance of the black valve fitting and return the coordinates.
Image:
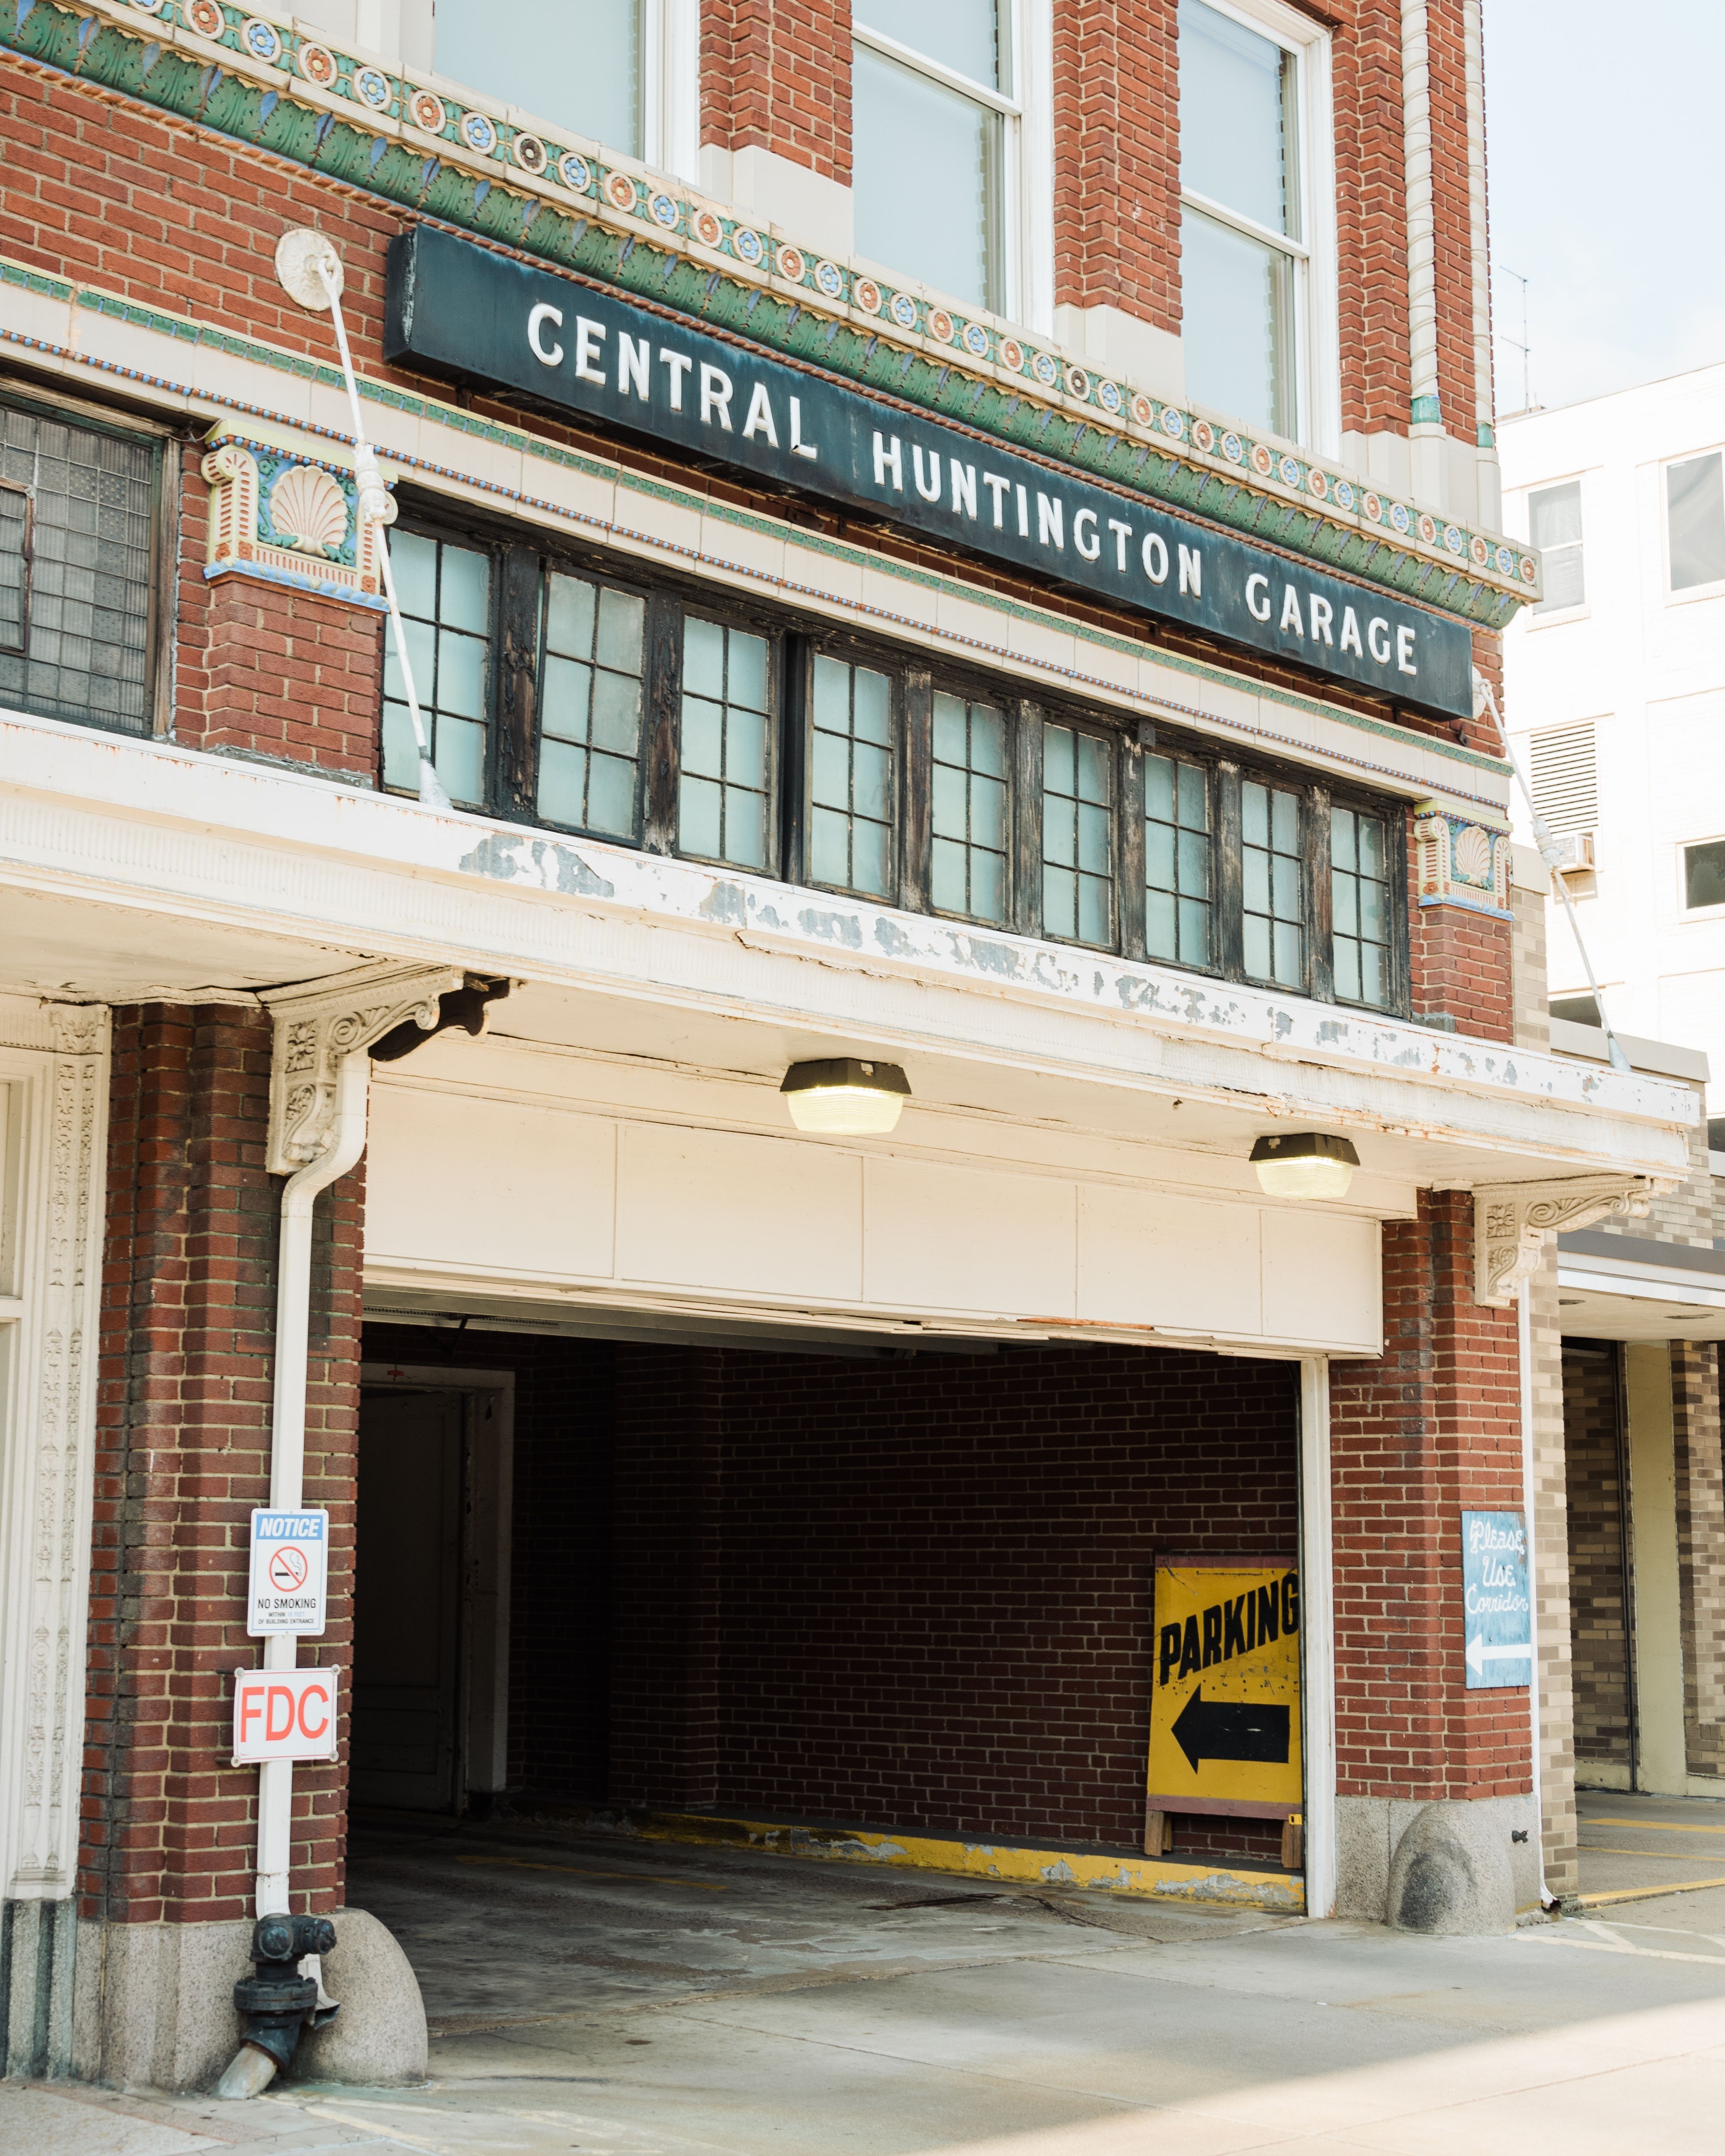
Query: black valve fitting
(276, 1999)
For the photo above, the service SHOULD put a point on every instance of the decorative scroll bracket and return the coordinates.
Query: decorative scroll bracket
(316, 1028)
(1511, 1220)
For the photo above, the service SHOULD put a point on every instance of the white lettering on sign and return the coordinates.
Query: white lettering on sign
(548, 355)
(289, 1572)
(283, 1714)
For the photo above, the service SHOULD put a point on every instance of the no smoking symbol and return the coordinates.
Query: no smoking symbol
(287, 1570)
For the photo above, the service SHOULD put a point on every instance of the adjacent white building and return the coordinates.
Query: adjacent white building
(1615, 696)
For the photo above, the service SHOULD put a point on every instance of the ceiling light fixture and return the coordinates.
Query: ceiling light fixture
(1305, 1164)
(844, 1097)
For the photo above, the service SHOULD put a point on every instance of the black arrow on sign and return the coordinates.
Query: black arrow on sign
(1224, 1729)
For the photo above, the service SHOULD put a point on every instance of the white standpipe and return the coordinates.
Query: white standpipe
(287, 1455)
(1524, 1350)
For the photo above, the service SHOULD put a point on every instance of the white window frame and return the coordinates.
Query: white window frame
(1530, 621)
(1026, 205)
(1317, 369)
(1688, 597)
(670, 77)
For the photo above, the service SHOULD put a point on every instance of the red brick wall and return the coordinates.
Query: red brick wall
(1116, 179)
(282, 673)
(1460, 963)
(775, 74)
(169, 1827)
(1371, 221)
(933, 1606)
(1433, 1429)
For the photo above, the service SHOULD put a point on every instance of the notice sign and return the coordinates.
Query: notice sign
(1224, 1706)
(1500, 1610)
(283, 1714)
(289, 1571)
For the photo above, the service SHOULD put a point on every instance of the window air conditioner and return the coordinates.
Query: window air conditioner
(1574, 851)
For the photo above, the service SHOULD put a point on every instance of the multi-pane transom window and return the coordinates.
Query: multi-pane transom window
(1554, 527)
(970, 809)
(850, 789)
(727, 758)
(590, 705)
(1359, 906)
(1077, 835)
(1273, 880)
(1243, 260)
(1178, 894)
(932, 114)
(445, 593)
(1695, 513)
(74, 571)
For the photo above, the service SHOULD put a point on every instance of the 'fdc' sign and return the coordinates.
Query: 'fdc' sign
(1224, 1702)
(283, 1714)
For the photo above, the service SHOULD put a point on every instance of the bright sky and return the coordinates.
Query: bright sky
(1607, 184)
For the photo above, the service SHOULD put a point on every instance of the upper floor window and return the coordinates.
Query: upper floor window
(685, 721)
(1704, 875)
(1695, 522)
(1244, 256)
(76, 526)
(584, 66)
(1554, 527)
(935, 121)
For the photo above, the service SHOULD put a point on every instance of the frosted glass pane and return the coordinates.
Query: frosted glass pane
(1238, 307)
(745, 748)
(703, 658)
(414, 561)
(873, 706)
(988, 813)
(567, 691)
(1159, 787)
(1344, 909)
(745, 829)
(1371, 975)
(1285, 824)
(1060, 903)
(1372, 912)
(422, 653)
(1094, 758)
(870, 779)
(831, 694)
(611, 796)
(460, 674)
(1093, 835)
(1371, 845)
(1159, 856)
(569, 617)
(461, 759)
(748, 670)
(1195, 865)
(1342, 848)
(702, 737)
(948, 877)
(622, 619)
(464, 601)
(950, 740)
(828, 846)
(698, 817)
(1159, 925)
(1285, 884)
(1257, 947)
(988, 743)
(562, 782)
(1255, 876)
(1194, 933)
(830, 777)
(962, 34)
(1254, 815)
(1057, 773)
(915, 145)
(616, 713)
(1058, 835)
(1233, 85)
(948, 802)
(871, 846)
(578, 65)
(1287, 953)
(988, 886)
(401, 751)
(1195, 798)
(1348, 970)
(1094, 925)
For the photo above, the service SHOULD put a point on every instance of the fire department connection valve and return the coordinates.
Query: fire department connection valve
(309, 271)
(278, 2003)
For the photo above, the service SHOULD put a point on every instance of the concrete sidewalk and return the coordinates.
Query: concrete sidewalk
(656, 2003)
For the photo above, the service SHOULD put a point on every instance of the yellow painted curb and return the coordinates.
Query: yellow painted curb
(1164, 1878)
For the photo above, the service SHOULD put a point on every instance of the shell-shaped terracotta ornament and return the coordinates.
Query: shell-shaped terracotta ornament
(1473, 854)
(308, 510)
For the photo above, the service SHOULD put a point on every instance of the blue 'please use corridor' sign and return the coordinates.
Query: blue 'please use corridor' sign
(1499, 1606)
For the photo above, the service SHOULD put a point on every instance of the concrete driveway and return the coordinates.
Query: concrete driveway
(602, 1996)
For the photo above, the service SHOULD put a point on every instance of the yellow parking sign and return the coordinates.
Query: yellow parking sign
(1224, 1702)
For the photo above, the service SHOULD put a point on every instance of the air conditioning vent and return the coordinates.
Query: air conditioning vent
(1574, 851)
(1564, 777)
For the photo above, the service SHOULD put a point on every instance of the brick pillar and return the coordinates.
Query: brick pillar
(1431, 1429)
(1371, 217)
(666, 1565)
(169, 1825)
(281, 674)
(775, 74)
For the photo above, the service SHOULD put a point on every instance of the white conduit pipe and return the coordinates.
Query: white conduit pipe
(309, 271)
(1524, 1349)
(287, 1430)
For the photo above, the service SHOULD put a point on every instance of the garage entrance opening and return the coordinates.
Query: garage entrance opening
(875, 1587)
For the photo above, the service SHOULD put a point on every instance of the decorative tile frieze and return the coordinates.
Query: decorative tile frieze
(287, 517)
(466, 161)
(1462, 863)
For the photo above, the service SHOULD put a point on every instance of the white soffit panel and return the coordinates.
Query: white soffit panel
(492, 1184)
(718, 1209)
(1323, 1279)
(1181, 1263)
(975, 1239)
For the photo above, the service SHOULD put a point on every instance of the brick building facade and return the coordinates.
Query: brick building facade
(1150, 836)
